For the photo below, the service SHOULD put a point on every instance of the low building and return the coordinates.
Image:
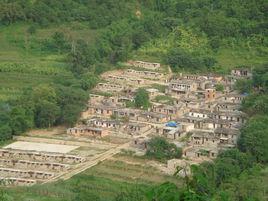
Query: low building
(233, 98)
(201, 137)
(143, 64)
(144, 74)
(227, 106)
(104, 123)
(109, 87)
(227, 135)
(210, 94)
(86, 131)
(131, 114)
(168, 110)
(98, 110)
(140, 143)
(133, 128)
(241, 72)
(201, 152)
(125, 80)
(235, 116)
(152, 92)
(172, 132)
(152, 117)
(199, 113)
(181, 87)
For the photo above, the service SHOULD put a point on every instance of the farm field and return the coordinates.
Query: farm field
(24, 62)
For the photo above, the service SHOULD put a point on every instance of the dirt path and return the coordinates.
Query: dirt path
(95, 160)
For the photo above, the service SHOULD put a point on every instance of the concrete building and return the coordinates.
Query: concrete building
(86, 131)
(181, 87)
(241, 72)
(143, 64)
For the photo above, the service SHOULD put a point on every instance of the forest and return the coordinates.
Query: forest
(189, 35)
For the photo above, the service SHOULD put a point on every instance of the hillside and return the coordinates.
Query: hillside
(52, 54)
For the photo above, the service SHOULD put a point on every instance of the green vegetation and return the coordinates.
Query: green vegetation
(164, 99)
(52, 52)
(219, 87)
(142, 99)
(160, 149)
(161, 88)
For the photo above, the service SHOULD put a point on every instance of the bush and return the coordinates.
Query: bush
(142, 99)
(160, 149)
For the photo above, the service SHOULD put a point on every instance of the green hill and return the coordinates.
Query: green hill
(64, 45)
(52, 53)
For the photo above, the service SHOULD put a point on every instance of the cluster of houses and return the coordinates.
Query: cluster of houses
(25, 168)
(190, 110)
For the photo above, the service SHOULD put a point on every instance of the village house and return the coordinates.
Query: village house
(199, 113)
(207, 123)
(143, 64)
(144, 74)
(104, 123)
(201, 152)
(126, 113)
(227, 106)
(181, 87)
(140, 143)
(152, 117)
(109, 87)
(98, 110)
(241, 72)
(235, 116)
(153, 92)
(115, 101)
(191, 103)
(227, 135)
(209, 106)
(13, 181)
(210, 95)
(233, 98)
(172, 132)
(86, 131)
(201, 137)
(125, 80)
(201, 81)
(207, 152)
(95, 98)
(171, 111)
(133, 128)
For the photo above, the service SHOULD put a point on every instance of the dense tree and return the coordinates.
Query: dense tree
(166, 191)
(180, 59)
(46, 114)
(5, 128)
(254, 138)
(255, 104)
(142, 99)
(4, 196)
(243, 85)
(88, 81)
(159, 148)
(83, 58)
(21, 120)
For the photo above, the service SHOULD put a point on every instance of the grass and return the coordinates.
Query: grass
(161, 88)
(23, 63)
(164, 99)
(230, 58)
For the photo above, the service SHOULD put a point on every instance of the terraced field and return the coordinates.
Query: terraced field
(23, 62)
